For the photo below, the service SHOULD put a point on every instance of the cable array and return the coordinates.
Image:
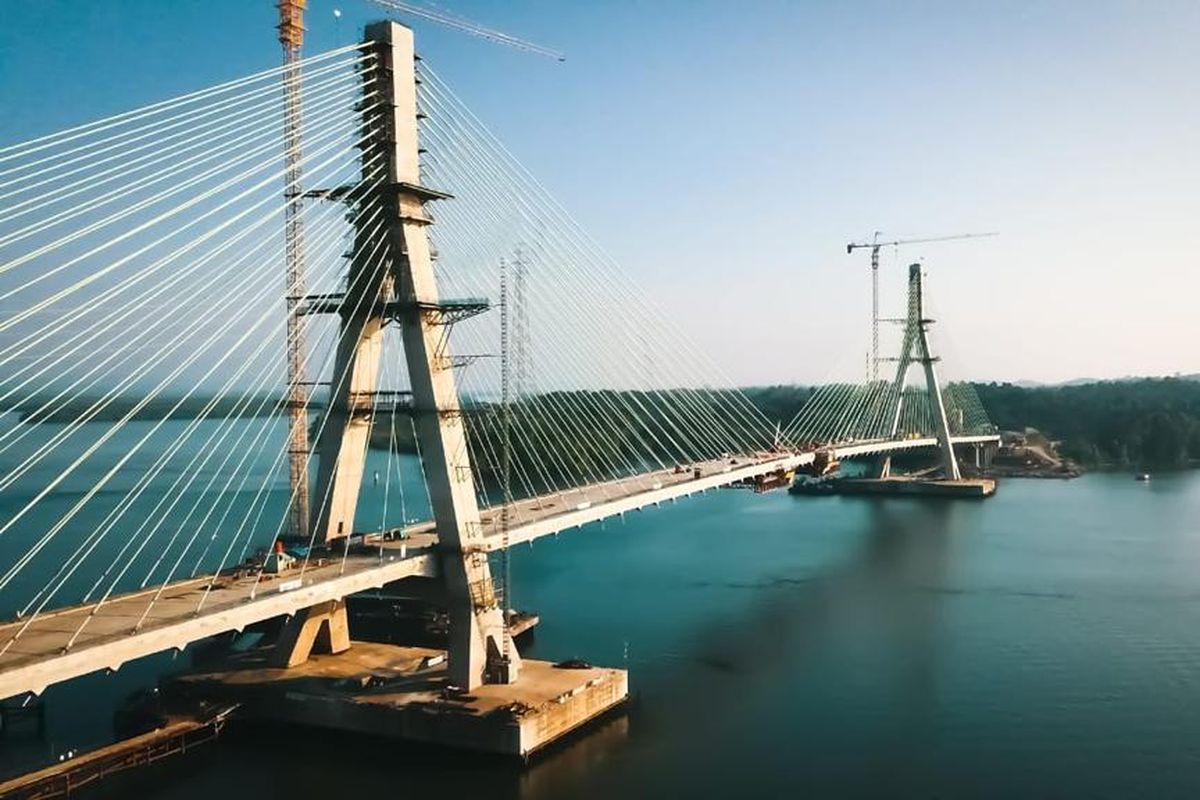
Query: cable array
(142, 324)
(897, 406)
(143, 315)
(144, 312)
(608, 388)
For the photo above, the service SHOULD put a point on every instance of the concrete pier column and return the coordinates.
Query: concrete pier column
(322, 628)
(884, 467)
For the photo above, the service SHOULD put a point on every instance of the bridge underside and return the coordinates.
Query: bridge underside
(40, 657)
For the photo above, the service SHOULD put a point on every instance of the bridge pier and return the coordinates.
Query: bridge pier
(883, 468)
(481, 648)
(403, 289)
(322, 628)
(414, 697)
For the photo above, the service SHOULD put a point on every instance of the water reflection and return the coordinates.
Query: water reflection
(752, 656)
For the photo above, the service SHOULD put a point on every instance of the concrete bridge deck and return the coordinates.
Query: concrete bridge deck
(111, 635)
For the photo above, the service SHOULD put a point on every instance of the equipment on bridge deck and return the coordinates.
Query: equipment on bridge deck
(460, 24)
(278, 560)
(875, 244)
(824, 462)
(769, 481)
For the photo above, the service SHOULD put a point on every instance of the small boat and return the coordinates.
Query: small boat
(1143, 476)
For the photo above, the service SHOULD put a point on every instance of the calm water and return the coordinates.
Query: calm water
(1045, 643)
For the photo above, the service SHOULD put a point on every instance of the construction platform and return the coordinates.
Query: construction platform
(925, 487)
(404, 693)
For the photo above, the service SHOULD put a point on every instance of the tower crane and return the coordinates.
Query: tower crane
(291, 36)
(875, 246)
(466, 26)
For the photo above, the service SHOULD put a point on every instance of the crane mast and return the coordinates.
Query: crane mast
(291, 36)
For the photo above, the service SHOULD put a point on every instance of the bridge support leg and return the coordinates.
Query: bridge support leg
(342, 445)
(323, 628)
(949, 460)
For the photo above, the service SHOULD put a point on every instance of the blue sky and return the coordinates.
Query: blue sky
(724, 153)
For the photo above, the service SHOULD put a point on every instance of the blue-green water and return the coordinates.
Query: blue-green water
(1044, 643)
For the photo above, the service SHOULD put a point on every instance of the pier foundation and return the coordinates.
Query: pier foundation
(406, 693)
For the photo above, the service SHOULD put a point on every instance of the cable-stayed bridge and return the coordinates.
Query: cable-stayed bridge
(226, 329)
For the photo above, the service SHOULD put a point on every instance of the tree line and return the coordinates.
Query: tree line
(1149, 422)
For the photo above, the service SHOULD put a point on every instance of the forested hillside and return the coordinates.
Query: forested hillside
(1151, 422)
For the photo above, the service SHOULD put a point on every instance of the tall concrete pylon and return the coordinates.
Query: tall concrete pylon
(916, 336)
(480, 649)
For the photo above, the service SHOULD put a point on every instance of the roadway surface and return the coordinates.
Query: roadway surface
(75, 641)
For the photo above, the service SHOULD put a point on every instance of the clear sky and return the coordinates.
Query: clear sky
(725, 153)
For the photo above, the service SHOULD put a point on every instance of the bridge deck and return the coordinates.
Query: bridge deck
(37, 658)
(540, 516)
(111, 634)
